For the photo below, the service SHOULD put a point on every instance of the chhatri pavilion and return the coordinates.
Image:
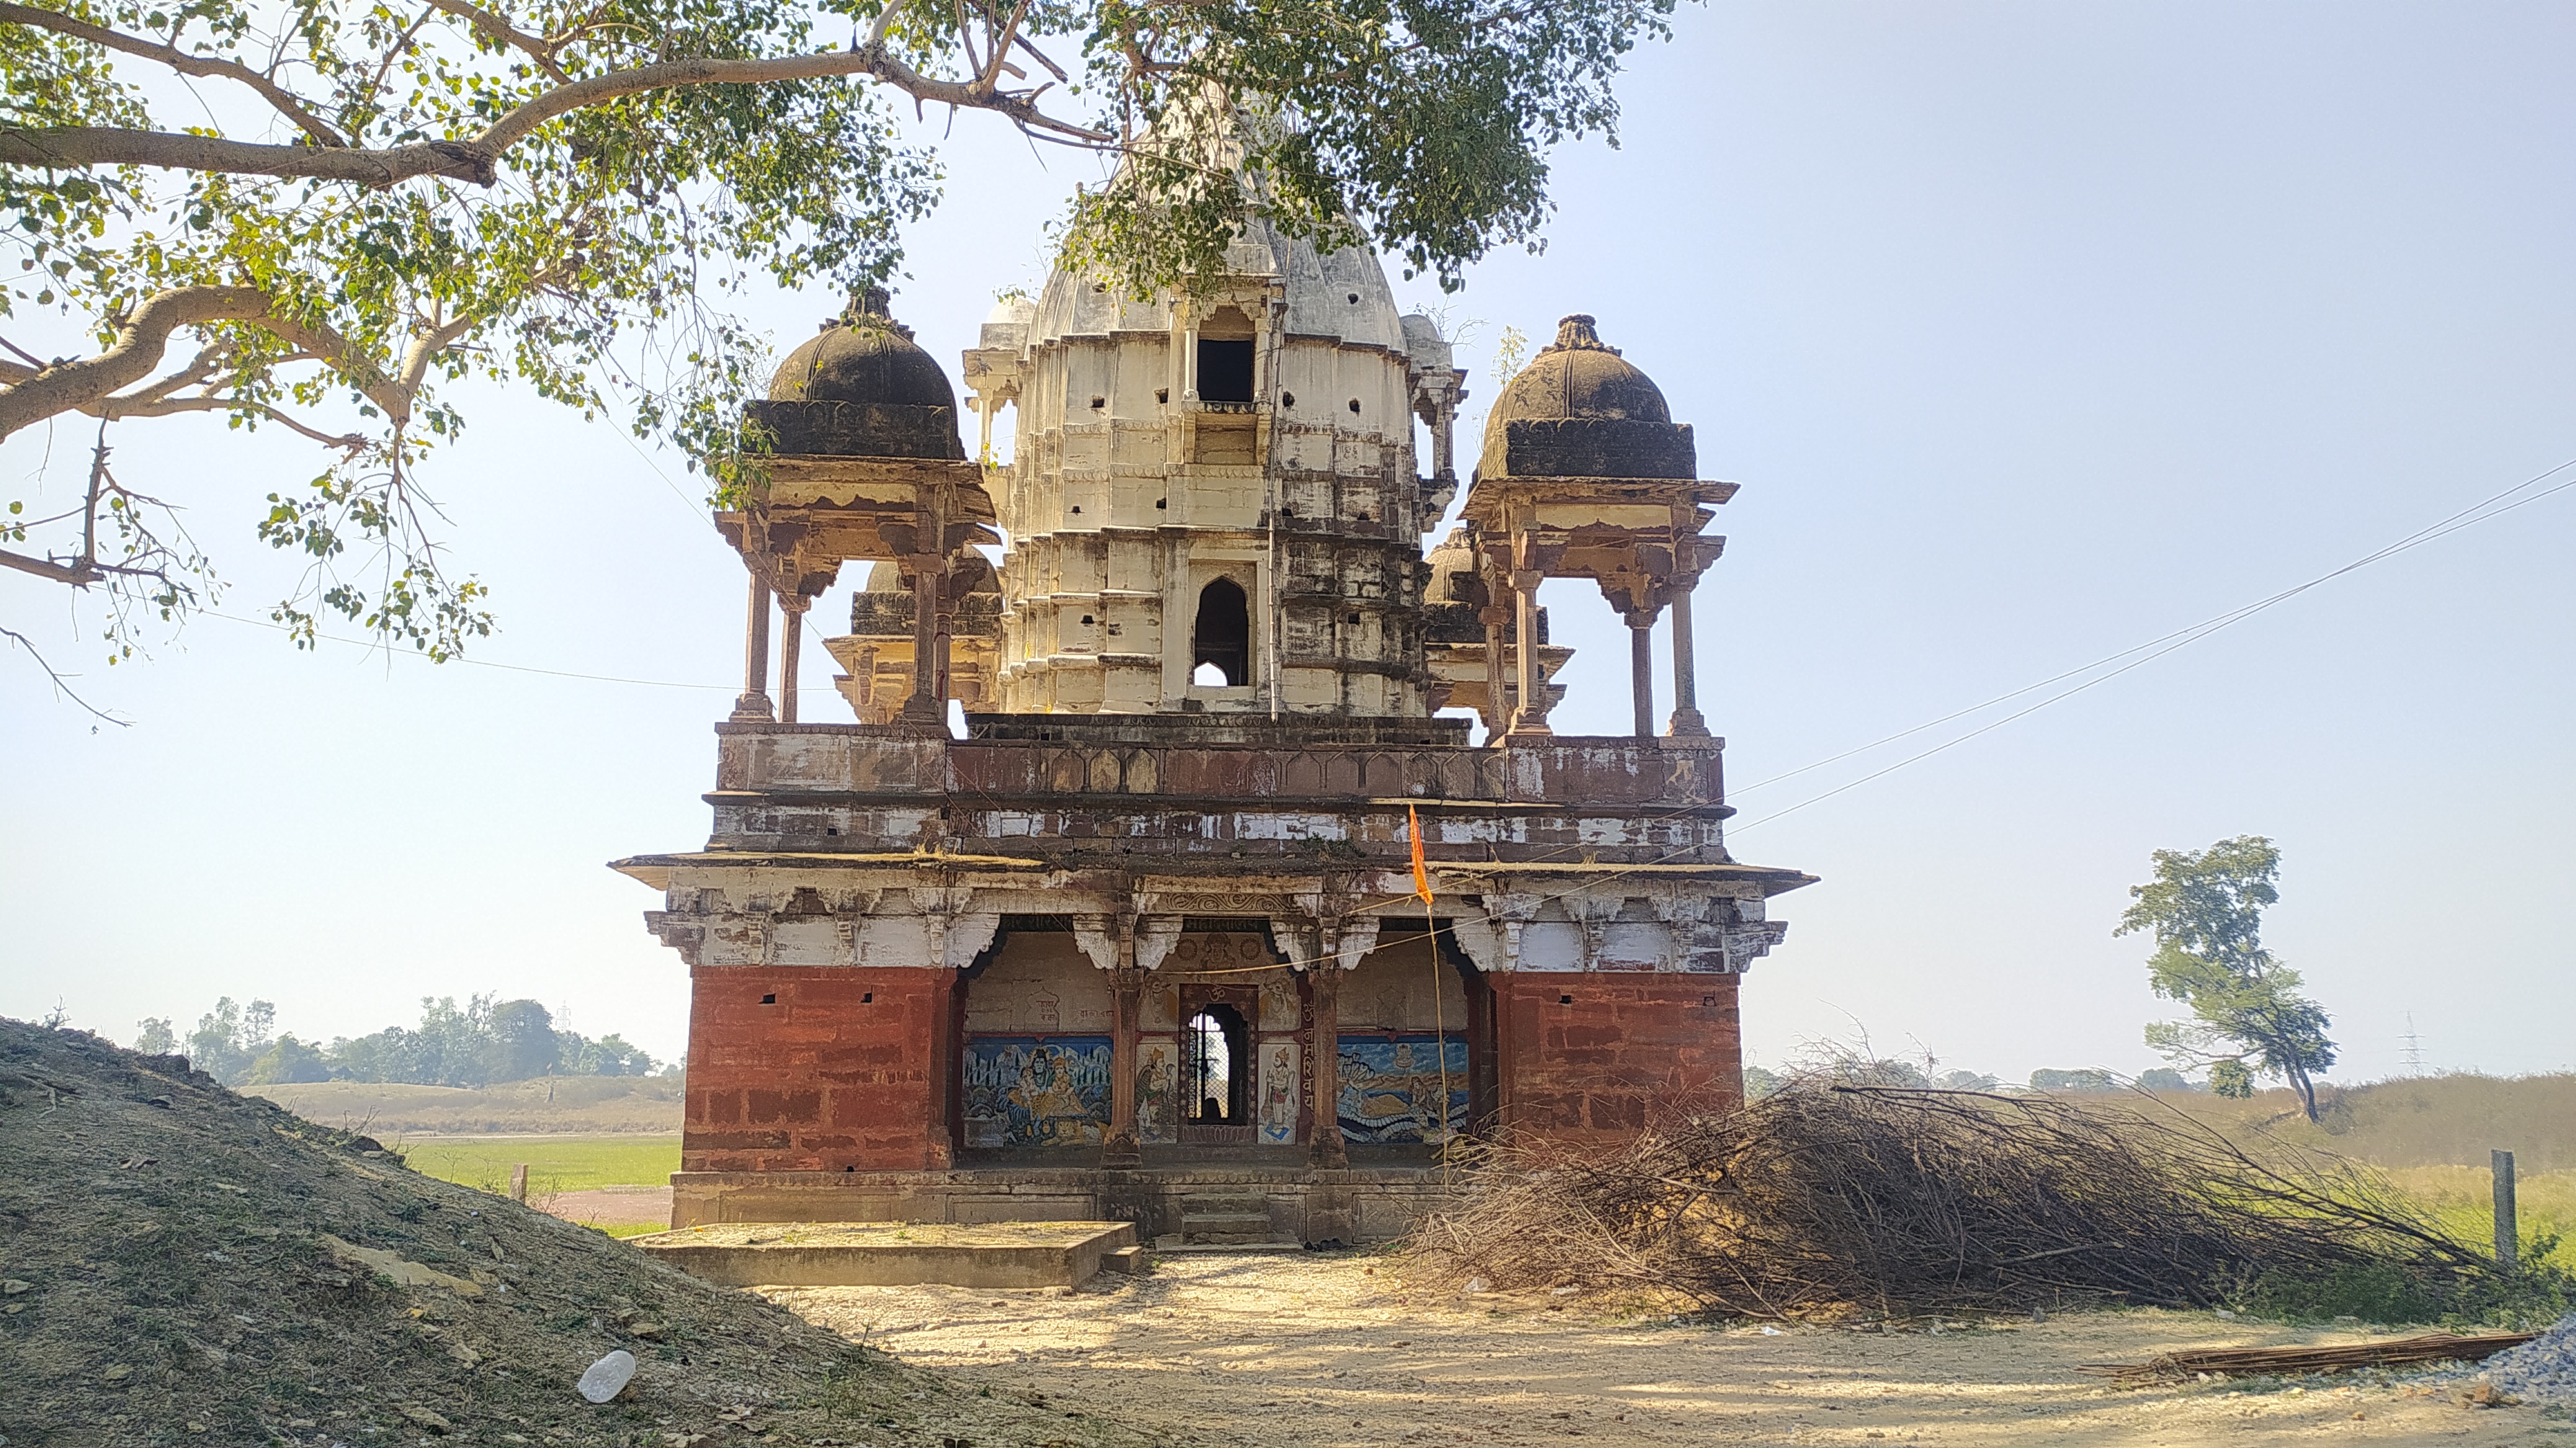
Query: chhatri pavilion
(1145, 943)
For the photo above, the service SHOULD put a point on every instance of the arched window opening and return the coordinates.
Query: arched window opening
(1215, 1059)
(1225, 357)
(1223, 634)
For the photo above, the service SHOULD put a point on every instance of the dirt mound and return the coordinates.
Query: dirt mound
(179, 1264)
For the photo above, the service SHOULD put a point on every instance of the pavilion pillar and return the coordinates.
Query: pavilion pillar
(1127, 990)
(1496, 617)
(1529, 716)
(1641, 671)
(791, 642)
(1325, 1148)
(751, 706)
(1687, 722)
(926, 708)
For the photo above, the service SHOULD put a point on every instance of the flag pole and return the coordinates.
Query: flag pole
(1439, 1007)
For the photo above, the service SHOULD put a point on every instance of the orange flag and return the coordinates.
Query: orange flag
(1421, 877)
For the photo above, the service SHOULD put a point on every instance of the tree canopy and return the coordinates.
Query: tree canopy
(482, 1043)
(321, 217)
(2205, 910)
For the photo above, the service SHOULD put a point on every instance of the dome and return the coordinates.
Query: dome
(1456, 571)
(1578, 377)
(1580, 410)
(887, 577)
(1423, 342)
(1339, 296)
(864, 356)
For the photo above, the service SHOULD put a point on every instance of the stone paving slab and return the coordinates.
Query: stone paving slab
(891, 1254)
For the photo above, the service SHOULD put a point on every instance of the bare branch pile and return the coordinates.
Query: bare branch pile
(1828, 1198)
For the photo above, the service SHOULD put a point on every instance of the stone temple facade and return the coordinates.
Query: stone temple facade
(1145, 943)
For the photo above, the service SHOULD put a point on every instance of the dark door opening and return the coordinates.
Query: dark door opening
(1216, 1075)
(1222, 635)
(1225, 357)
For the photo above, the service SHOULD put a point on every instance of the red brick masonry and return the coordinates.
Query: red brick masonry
(1626, 1046)
(838, 1068)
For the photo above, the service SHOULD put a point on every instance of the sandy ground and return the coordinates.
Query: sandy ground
(1308, 1350)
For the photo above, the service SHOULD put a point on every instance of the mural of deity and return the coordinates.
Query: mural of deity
(1391, 1088)
(1158, 1091)
(1277, 1113)
(1034, 1092)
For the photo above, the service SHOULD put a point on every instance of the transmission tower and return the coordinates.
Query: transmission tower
(2414, 1047)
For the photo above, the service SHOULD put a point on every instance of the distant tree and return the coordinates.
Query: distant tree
(2205, 909)
(227, 1039)
(154, 1036)
(1759, 1083)
(289, 1062)
(607, 1056)
(1966, 1081)
(2088, 1079)
(523, 1042)
(2166, 1078)
(450, 1047)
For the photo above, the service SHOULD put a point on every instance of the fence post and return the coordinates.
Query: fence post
(2508, 1237)
(519, 1182)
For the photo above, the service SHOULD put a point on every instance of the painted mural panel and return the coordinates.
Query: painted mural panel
(1158, 1090)
(1034, 1092)
(1280, 1010)
(1391, 1088)
(1276, 1114)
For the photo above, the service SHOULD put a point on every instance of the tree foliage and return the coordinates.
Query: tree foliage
(481, 1043)
(2205, 910)
(321, 217)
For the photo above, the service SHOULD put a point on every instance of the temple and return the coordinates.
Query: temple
(1145, 942)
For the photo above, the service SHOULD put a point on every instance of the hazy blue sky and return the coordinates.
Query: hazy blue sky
(2032, 332)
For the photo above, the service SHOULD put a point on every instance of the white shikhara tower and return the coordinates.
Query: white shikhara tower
(1213, 503)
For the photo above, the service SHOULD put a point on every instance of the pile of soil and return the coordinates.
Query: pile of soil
(180, 1264)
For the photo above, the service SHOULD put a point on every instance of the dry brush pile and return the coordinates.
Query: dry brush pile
(1829, 1198)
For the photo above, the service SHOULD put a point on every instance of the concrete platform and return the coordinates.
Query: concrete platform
(894, 1254)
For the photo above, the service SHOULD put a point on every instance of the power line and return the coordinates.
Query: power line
(2482, 511)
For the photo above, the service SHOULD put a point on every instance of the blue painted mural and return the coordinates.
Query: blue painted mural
(1391, 1084)
(1031, 1092)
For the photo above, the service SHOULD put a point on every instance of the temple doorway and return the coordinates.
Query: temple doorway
(1217, 1065)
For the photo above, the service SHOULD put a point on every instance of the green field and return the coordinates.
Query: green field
(555, 1163)
(2461, 1199)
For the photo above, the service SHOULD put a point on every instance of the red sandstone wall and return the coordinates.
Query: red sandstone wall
(1626, 1046)
(838, 1071)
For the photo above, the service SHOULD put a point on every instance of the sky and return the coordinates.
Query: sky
(2032, 332)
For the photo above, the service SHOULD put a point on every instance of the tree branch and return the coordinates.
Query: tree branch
(116, 407)
(66, 690)
(504, 32)
(477, 161)
(177, 59)
(79, 575)
(72, 386)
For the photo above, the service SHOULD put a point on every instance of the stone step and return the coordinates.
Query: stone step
(1224, 1239)
(1197, 1225)
(1235, 1204)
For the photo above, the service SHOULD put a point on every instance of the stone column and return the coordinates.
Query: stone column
(1325, 1149)
(1529, 716)
(1496, 617)
(1641, 670)
(1127, 989)
(791, 642)
(925, 708)
(751, 706)
(1687, 722)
